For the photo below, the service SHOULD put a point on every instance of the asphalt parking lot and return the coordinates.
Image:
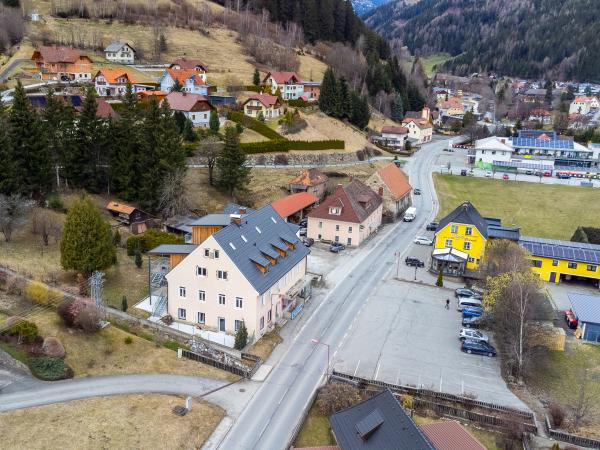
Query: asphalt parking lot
(405, 335)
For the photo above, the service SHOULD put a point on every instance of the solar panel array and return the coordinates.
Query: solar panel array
(534, 134)
(560, 144)
(566, 250)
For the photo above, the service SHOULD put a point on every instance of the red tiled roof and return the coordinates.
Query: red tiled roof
(184, 101)
(540, 112)
(391, 129)
(349, 198)
(120, 207)
(395, 180)
(105, 110)
(544, 137)
(450, 435)
(283, 77)
(421, 123)
(186, 63)
(310, 177)
(291, 204)
(265, 99)
(182, 75)
(54, 54)
(111, 75)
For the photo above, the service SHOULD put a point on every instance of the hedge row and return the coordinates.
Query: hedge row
(285, 146)
(297, 103)
(254, 125)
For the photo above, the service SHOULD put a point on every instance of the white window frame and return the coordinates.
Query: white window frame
(222, 275)
(237, 324)
(201, 295)
(181, 313)
(454, 229)
(448, 243)
(203, 321)
(182, 292)
(222, 297)
(239, 303)
(216, 254)
(469, 231)
(467, 245)
(201, 271)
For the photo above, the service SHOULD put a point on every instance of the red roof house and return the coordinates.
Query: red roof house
(450, 435)
(57, 62)
(293, 207)
(189, 64)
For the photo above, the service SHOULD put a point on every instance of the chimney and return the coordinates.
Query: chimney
(236, 219)
(242, 211)
(381, 191)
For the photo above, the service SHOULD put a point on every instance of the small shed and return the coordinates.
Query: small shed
(587, 310)
(294, 207)
(127, 214)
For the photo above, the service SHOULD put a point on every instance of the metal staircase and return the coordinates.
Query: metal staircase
(161, 307)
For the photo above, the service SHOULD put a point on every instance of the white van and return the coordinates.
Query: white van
(466, 302)
(410, 214)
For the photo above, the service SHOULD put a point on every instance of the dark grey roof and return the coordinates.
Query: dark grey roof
(565, 250)
(413, 115)
(213, 220)
(181, 223)
(234, 208)
(256, 236)
(499, 232)
(378, 423)
(466, 213)
(165, 249)
(586, 306)
(115, 46)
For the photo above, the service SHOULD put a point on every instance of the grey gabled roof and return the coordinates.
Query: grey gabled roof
(116, 46)
(215, 220)
(466, 213)
(167, 249)
(586, 306)
(262, 230)
(378, 423)
(234, 208)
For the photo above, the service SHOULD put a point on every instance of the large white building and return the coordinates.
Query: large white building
(120, 52)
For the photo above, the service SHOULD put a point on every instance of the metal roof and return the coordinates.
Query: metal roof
(261, 229)
(500, 232)
(565, 250)
(467, 214)
(167, 249)
(378, 423)
(234, 208)
(217, 220)
(116, 46)
(586, 306)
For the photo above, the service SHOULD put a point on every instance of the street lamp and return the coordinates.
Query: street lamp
(318, 342)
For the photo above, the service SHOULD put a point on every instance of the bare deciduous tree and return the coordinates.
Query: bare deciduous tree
(209, 151)
(502, 256)
(13, 212)
(45, 224)
(173, 199)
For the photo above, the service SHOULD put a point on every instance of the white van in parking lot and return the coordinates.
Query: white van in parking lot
(467, 302)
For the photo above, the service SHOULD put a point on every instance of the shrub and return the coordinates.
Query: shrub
(241, 337)
(254, 125)
(172, 345)
(40, 293)
(335, 397)
(360, 155)
(297, 103)
(117, 238)
(49, 368)
(54, 202)
(168, 319)
(89, 319)
(25, 330)
(407, 401)
(11, 321)
(124, 304)
(53, 347)
(440, 280)
(128, 340)
(138, 258)
(151, 239)
(281, 160)
(557, 413)
(70, 309)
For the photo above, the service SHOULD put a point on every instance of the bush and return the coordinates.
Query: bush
(49, 368)
(335, 397)
(11, 321)
(151, 239)
(70, 309)
(53, 347)
(281, 160)
(557, 413)
(241, 337)
(117, 238)
(54, 202)
(40, 293)
(25, 330)
(297, 103)
(89, 319)
(285, 146)
(171, 345)
(128, 340)
(254, 125)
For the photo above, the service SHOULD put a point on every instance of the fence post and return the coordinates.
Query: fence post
(179, 352)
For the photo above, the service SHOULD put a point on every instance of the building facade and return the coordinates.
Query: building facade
(62, 64)
(393, 187)
(120, 52)
(193, 106)
(113, 83)
(189, 81)
(288, 83)
(268, 105)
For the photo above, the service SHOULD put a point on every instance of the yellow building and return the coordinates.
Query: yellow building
(460, 240)
(562, 260)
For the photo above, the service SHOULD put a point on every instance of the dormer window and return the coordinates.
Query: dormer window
(335, 210)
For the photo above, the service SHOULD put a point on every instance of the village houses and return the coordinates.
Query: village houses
(193, 106)
(392, 185)
(312, 181)
(583, 105)
(190, 64)
(120, 52)
(288, 83)
(392, 136)
(62, 64)
(268, 105)
(189, 81)
(113, 82)
(348, 216)
(419, 129)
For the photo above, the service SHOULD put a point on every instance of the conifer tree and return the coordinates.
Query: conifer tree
(188, 133)
(9, 175)
(397, 108)
(86, 244)
(328, 94)
(241, 337)
(231, 164)
(213, 122)
(342, 99)
(256, 78)
(177, 87)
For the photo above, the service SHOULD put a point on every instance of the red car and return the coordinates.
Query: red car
(505, 176)
(570, 318)
(547, 174)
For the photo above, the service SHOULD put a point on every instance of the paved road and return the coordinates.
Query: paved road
(9, 68)
(44, 393)
(270, 419)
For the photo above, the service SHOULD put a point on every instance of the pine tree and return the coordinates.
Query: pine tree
(256, 78)
(397, 108)
(328, 95)
(86, 244)
(124, 304)
(342, 99)
(213, 123)
(10, 174)
(359, 110)
(33, 174)
(241, 337)
(177, 87)
(180, 119)
(188, 134)
(232, 171)
(138, 258)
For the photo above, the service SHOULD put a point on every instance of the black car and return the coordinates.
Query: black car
(477, 347)
(417, 191)
(472, 322)
(432, 226)
(465, 292)
(414, 262)
(308, 241)
(463, 173)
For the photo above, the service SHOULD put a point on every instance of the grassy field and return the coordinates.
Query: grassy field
(431, 61)
(133, 421)
(265, 346)
(543, 210)
(315, 431)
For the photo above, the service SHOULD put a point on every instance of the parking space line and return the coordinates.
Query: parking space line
(377, 370)
(356, 370)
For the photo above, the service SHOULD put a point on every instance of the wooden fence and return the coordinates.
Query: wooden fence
(571, 438)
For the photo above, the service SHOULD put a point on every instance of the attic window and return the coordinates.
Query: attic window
(244, 238)
(273, 219)
(231, 245)
(334, 210)
(258, 229)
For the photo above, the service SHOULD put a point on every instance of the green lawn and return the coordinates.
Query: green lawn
(315, 431)
(543, 210)
(431, 61)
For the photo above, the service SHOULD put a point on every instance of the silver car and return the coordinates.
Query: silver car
(469, 333)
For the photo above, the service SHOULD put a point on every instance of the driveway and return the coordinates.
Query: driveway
(406, 336)
(45, 393)
(559, 292)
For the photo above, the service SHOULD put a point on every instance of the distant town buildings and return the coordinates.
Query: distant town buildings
(120, 52)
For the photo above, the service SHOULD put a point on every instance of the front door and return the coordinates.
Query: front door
(552, 277)
(222, 324)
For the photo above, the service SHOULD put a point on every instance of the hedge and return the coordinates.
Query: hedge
(299, 103)
(151, 239)
(49, 369)
(285, 146)
(254, 125)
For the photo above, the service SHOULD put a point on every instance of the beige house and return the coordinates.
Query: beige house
(392, 185)
(241, 268)
(269, 105)
(312, 181)
(348, 216)
(419, 129)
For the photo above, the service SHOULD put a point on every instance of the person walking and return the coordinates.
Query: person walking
(447, 303)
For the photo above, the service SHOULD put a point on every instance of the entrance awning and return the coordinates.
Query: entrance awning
(449, 255)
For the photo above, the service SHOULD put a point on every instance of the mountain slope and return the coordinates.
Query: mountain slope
(533, 38)
(362, 7)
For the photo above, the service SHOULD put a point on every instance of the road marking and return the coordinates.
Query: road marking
(377, 370)
(356, 370)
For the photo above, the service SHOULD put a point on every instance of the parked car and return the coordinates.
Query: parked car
(471, 173)
(336, 247)
(302, 231)
(477, 347)
(472, 311)
(505, 177)
(303, 223)
(476, 335)
(467, 302)
(422, 240)
(308, 241)
(472, 322)
(432, 226)
(547, 174)
(571, 319)
(463, 173)
(488, 173)
(465, 292)
(529, 172)
(414, 262)
(417, 191)
(563, 176)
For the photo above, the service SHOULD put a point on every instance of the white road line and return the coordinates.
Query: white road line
(356, 370)
(377, 370)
